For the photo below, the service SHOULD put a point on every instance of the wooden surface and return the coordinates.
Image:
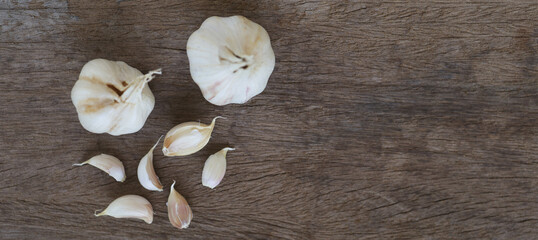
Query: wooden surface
(404, 120)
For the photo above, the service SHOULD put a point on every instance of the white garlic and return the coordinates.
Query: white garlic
(108, 164)
(215, 168)
(179, 212)
(112, 97)
(146, 173)
(187, 138)
(129, 206)
(230, 59)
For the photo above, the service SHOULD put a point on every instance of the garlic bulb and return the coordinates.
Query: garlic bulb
(129, 206)
(108, 164)
(215, 168)
(146, 173)
(179, 212)
(112, 97)
(187, 138)
(230, 59)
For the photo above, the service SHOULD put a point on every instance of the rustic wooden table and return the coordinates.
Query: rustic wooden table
(406, 120)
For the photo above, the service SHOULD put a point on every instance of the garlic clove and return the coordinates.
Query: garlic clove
(187, 138)
(179, 212)
(146, 173)
(112, 97)
(215, 168)
(230, 59)
(129, 206)
(108, 164)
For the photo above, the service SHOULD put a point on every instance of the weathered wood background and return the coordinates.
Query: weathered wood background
(406, 120)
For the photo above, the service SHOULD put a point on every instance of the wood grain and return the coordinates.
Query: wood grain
(382, 120)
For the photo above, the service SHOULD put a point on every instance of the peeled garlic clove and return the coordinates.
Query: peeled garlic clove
(230, 59)
(215, 168)
(146, 173)
(112, 97)
(179, 212)
(187, 138)
(108, 164)
(129, 206)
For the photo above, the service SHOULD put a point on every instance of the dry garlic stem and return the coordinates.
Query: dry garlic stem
(187, 138)
(146, 173)
(215, 168)
(112, 97)
(179, 212)
(108, 164)
(129, 206)
(230, 59)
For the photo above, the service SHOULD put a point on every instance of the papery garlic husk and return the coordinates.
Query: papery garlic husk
(179, 212)
(215, 168)
(129, 206)
(108, 164)
(230, 59)
(146, 173)
(187, 138)
(112, 97)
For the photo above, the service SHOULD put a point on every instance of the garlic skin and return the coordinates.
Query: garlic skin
(129, 206)
(109, 164)
(146, 173)
(179, 212)
(230, 59)
(215, 168)
(187, 138)
(112, 97)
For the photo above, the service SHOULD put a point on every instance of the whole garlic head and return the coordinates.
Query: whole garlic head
(230, 59)
(112, 97)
